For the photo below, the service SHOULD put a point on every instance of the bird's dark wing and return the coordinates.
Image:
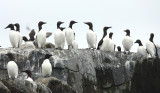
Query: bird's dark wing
(156, 50)
(31, 35)
(99, 44)
(48, 34)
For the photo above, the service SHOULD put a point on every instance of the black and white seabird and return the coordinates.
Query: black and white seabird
(29, 74)
(12, 67)
(111, 43)
(59, 36)
(13, 36)
(119, 48)
(91, 36)
(28, 43)
(106, 46)
(127, 41)
(141, 48)
(70, 34)
(19, 34)
(151, 47)
(46, 66)
(41, 36)
(104, 34)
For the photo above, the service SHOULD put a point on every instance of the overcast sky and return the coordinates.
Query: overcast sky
(142, 17)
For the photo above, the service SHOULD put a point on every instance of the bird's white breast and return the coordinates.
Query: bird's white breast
(29, 44)
(127, 43)
(41, 38)
(12, 69)
(14, 38)
(69, 33)
(29, 79)
(46, 68)
(20, 39)
(106, 44)
(151, 48)
(91, 39)
(142, 51)
(111, 45)
(59, 39)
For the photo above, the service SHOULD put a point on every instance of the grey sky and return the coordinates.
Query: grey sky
(140, 16)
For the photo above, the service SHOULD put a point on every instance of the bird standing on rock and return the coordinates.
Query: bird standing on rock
(70, 34)
(29, 74)
(111, 43)
(151, 47)
(106, 42)
(46, 66)
(12, 67)
(19, 34)
(141, 48)
(59, 36)
(101, 41)
(127, 41)
(91, 36)
(41, 36)
(28, 43)
(13, 36)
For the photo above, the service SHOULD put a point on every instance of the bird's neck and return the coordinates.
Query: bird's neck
(91, 27)
(58, 26)
(70, 26)
(140, 44)
(29, 76)
(12, 28)
(18, 29)
(110, 36)
(105, 33)
(11, 59)
(151, 39)
(40, 27)
(128, 34)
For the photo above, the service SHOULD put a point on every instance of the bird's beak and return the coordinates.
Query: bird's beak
(75, 22)
(45, 23)
(109, 27)
(6, 27)
(135, 42)
(85, 22)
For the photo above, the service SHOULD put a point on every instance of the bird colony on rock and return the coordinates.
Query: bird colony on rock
(105, 44)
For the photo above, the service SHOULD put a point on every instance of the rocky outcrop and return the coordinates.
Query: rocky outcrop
(146, 77)
(42, 85)
(3, 88)
(55, 85)
(78, 71)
